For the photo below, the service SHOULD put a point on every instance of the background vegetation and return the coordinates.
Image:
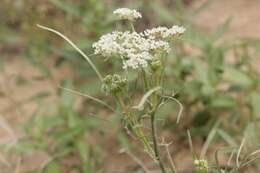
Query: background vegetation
(214, 79)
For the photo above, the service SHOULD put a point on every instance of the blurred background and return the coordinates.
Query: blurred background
(214, 69)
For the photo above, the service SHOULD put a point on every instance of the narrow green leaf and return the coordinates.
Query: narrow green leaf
(237, 77)
(254, 101)
(231, 141)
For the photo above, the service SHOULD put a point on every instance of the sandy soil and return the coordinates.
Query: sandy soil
(245, 16)
(13, 110)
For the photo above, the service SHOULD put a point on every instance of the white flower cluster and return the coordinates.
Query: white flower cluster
(127, 14)
(164, 32)
(135, 49)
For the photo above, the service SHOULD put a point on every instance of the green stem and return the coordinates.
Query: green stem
(132, 26)
(139, 133)
(156, 82)
(146, 84)
(153, 122)
(155, 144)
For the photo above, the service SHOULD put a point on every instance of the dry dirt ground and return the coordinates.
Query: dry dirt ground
(246, 22)
(14, 110)
(245, 16)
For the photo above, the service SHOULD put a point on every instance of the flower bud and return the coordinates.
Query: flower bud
(113, 84)
(156, 64)
(201, 166)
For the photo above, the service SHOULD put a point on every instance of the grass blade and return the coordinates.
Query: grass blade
(209, 140)
(239, 152)
(227, 138)
(75, 47)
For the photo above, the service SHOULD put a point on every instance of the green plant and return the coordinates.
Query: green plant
(144, 52)
(219, 97)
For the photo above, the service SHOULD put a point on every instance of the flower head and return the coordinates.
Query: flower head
(135, 49)
(164, 32)
(127, 14)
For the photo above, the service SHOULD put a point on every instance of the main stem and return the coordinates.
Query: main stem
(146, 83)
(153, 120)
(155, 144)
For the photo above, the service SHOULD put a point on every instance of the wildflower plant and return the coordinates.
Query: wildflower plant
(144, 53)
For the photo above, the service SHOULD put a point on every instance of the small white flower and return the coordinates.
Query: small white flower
(107, 45)
(127, 14)
(137, 60)
(164, 32)
(178, 29)
(159, 45)
(196, 162)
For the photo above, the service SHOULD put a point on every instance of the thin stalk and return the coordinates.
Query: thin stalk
(137, 160)
(139, 133)
(157, 82)
(153, 122)
(155, 144)
(132, 26)
(239, 152)
(173, 167)
(89, 97)
(145, 80)
(121, 103)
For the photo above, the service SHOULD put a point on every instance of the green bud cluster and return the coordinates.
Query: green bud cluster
(201, 166)
(114, 84)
